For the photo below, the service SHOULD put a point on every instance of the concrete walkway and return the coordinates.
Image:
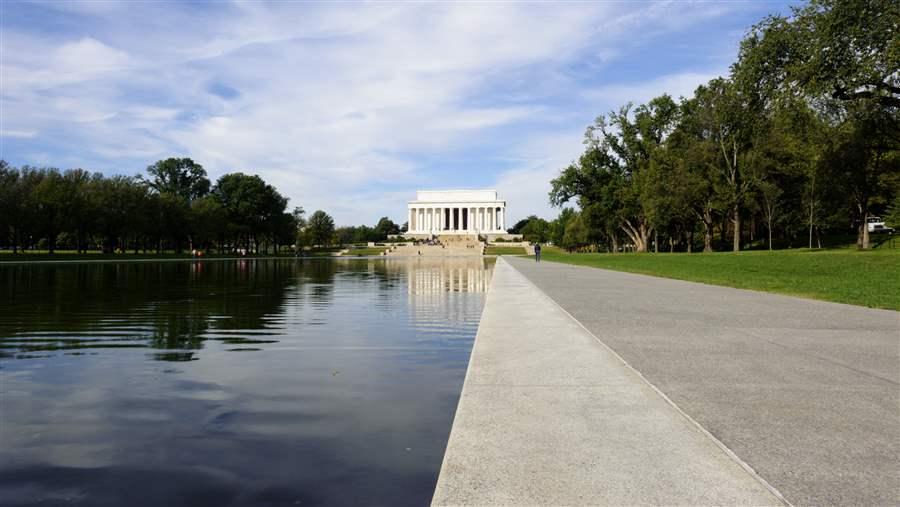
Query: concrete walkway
(806, 392)
(550, 416)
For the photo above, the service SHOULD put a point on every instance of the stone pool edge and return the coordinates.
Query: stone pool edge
(549, 415)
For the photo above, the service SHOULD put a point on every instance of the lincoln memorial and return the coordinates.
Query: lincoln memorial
(457, 212)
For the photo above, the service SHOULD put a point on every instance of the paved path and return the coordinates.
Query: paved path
(550, 416)
(806, 392)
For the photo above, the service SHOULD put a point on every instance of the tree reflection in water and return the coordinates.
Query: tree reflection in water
(344, 393)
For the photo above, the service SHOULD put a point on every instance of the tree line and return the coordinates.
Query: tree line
(172, 208)
(800, 140)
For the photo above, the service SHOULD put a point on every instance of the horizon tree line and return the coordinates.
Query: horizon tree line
(173, 207)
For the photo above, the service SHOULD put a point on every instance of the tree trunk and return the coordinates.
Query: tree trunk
(770, 233)
(737, 228)
(708, 237)
(655, 241)
(862, 240)
(865, 233)
(810, 223)
(639, 235)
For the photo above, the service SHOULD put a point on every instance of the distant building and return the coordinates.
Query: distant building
(442, 212)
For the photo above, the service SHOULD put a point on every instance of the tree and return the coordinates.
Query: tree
(575, 235)
(557, 227)
(50, 199)
(118, 200)
(537, 230)
(611, 175)
(846, 49)
(385, 227)
(208, 221)
(724, 112)
(594, 179)
(243, 197)
(892, 217)
(11, 207)
(517, 227)
(179, 176)
(320, 228)
(80, 209)
(299, 217)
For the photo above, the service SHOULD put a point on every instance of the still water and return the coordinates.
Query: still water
(251, 382)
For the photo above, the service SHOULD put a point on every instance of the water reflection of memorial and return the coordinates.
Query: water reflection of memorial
(449, 275)
(448, 288)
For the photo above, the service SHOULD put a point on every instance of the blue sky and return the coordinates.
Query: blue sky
(347, 107)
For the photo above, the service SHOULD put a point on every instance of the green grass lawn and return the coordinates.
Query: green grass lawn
(504, 250)
(846, 275)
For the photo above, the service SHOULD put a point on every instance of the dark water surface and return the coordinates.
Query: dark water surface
(251, 382)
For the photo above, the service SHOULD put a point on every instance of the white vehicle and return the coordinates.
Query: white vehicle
(876, 225)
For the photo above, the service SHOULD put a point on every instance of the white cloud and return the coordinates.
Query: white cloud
(23, 134)
(526, 187)
(676, 85)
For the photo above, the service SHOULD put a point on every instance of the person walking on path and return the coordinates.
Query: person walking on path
(537, 252)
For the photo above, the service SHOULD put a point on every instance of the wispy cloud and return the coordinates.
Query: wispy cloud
(24, 134)
(677, 85)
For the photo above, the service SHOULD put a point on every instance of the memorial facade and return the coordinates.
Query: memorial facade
(438, 212)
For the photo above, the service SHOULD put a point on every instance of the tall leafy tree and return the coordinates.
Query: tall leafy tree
(179, 176)
(11, 207)
(613, 172)
(537, 230)
(726, 116)
(557, 228)
(320, 228)
(384, 227)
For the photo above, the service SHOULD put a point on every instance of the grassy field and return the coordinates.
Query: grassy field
(845, 275)
(504, 250)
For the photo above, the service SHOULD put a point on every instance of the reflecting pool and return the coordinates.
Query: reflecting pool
(250, 382)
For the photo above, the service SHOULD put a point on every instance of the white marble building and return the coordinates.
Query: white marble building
(456, 212)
